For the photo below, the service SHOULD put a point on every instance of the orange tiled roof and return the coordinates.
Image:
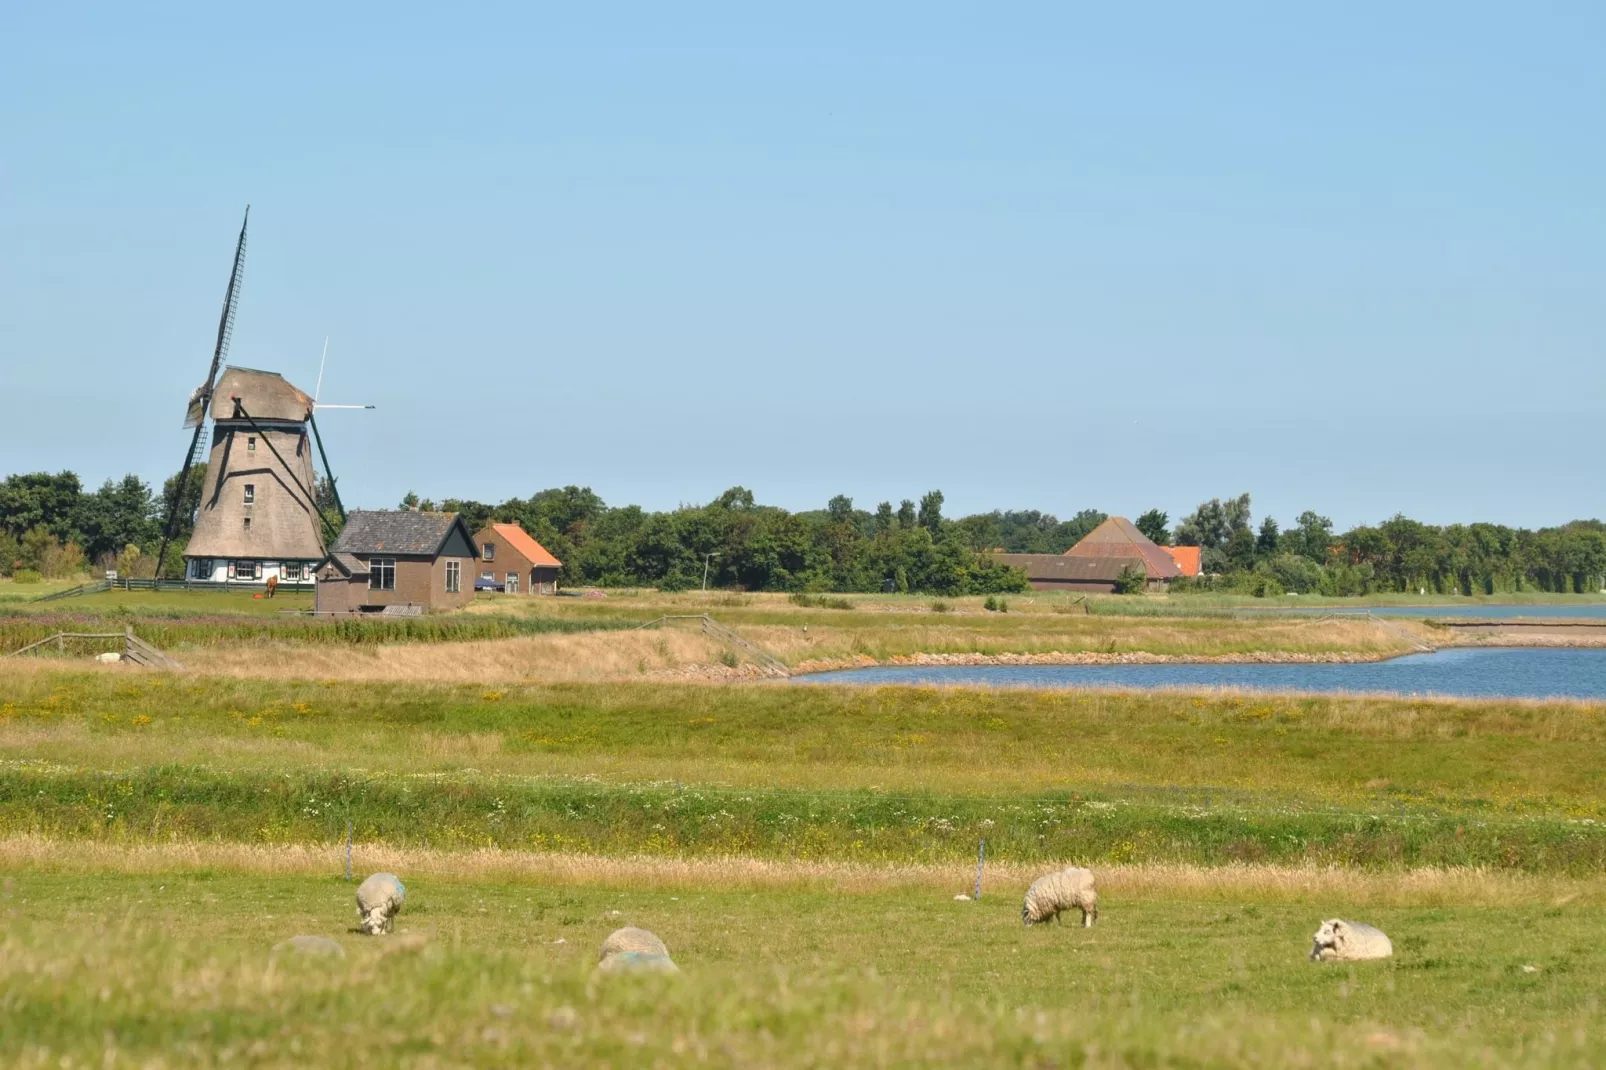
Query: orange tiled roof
(1186, 557)
(520, 540)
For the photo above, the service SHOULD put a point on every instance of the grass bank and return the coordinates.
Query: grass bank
(775, 771)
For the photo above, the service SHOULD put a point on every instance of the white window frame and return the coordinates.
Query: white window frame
(378, 569)
(511, 583)
(250, 494)
(250, 443)
(291, 571)
(454, 577)
(245, 570)
(488, 552)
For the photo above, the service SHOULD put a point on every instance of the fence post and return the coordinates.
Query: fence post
(981, 857)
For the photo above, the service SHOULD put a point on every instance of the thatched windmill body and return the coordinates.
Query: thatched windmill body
(258, 518)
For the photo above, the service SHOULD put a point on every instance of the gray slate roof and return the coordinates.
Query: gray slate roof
(393, 531)
(351, 566)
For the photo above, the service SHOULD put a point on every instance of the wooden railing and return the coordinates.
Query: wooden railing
(134, 649)
(767, 661)
(134, 584)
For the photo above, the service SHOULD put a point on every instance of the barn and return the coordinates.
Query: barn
(1095, 564)
(398, 558)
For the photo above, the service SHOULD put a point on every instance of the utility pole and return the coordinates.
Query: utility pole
(707, 560)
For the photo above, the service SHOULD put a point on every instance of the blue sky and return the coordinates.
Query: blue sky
(1043, 256)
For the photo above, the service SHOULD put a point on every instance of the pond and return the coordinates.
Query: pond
(1473, 610)
(1481, 672)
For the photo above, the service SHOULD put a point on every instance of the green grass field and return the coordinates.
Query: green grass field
(798, 847)
(162, 969)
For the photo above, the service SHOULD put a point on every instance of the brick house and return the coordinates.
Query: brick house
(510, 560)
(398, 558)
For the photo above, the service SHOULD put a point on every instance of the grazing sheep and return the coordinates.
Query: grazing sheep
(633, 949)
(379, 900)
(1054, 892)
(1349, 941)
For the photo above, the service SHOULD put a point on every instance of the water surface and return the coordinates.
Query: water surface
(1474, 672)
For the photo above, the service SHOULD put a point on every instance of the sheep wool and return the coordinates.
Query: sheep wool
(1349, 941)
(379, 900)
(1055, 892)
(635, 950)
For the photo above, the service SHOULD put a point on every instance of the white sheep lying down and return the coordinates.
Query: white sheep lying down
(1055, 892)
(379, 900)
(1349, 941)
(633, 949)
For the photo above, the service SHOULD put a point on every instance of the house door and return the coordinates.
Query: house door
(512, 583)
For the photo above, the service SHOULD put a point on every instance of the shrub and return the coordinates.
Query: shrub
(939, 606)
(990, 605)
(1131, 581)
(729, 659)
(1003, 605)
(25, 575)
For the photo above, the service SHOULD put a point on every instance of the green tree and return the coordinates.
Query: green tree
(116, 516)
(39, 499)
(930, 516)
(1152, 524)
(1267, 541)
(906, 514)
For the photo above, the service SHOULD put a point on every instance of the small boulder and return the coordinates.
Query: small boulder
(311, 946)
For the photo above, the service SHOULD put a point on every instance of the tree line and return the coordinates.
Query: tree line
(51, 525)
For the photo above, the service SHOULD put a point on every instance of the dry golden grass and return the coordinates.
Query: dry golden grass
(586, 656)
(1261, 882)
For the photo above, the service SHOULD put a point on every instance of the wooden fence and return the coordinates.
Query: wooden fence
(769, 662)
(134, 649)
(133, 584)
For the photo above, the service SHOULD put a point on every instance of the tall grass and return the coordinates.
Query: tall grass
(222, 631)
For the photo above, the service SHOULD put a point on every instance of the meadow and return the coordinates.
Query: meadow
(798, 848)
(496, 973)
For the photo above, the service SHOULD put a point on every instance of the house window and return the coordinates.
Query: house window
(382, 574)
(251, 444)
(291, 571)
(488, 577)
(250, 493)
(454, 577)
(512, 583)
(245, 570)
(247, 523)
(488, 552)
(203, 568)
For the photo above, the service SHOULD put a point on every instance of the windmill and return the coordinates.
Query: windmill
(258, 521)
(201, 399)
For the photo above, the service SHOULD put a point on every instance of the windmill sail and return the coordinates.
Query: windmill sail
(201, 398)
